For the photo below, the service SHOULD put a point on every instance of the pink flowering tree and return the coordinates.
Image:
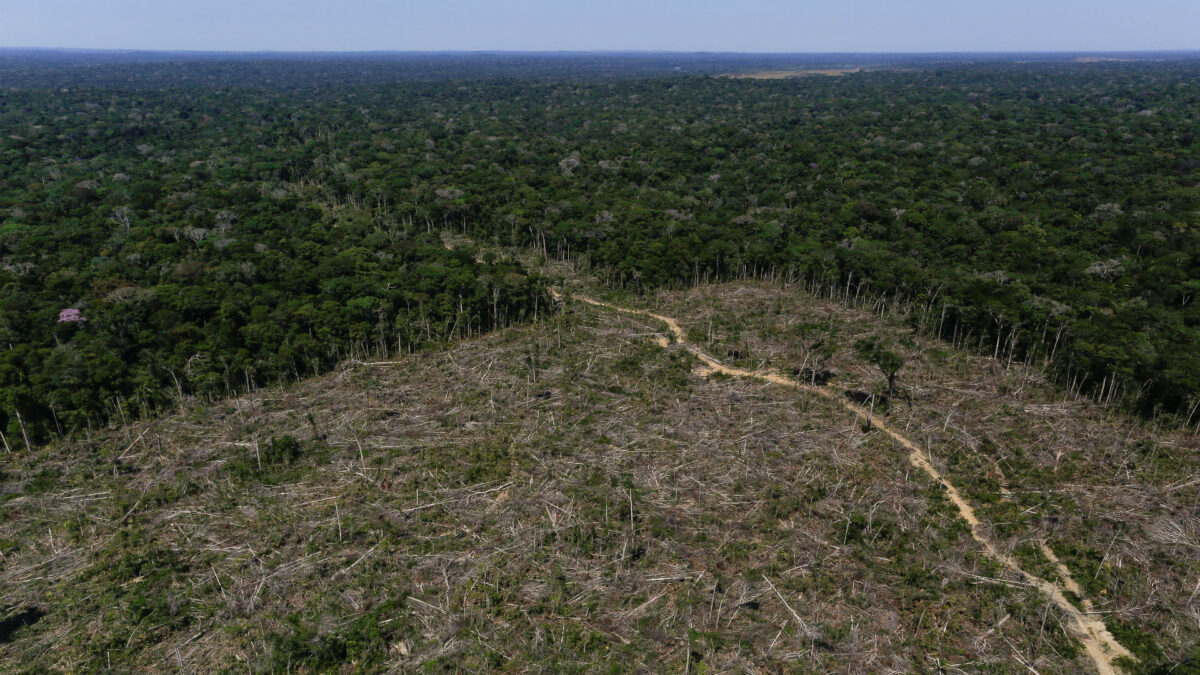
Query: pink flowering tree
(71, 315)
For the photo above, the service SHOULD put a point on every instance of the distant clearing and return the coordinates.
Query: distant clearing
(785, 74)
(1104, 59)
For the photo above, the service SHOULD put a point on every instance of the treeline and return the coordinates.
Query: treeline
(55, 69)
(215, 234)
(144, 258)
(1048, 213)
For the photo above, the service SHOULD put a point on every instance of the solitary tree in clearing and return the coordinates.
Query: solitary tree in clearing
(888, 362)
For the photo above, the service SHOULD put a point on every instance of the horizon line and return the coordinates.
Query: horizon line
(145, 50)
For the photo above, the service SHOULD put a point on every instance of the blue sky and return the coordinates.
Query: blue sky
(682, 25)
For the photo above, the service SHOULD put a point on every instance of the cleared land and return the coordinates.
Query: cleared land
(574, 495)
(1099, 642)
(785, 74)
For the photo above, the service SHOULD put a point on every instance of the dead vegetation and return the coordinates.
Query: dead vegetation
(572, 496)
(1103, 491)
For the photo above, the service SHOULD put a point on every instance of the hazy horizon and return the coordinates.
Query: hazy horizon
(382, 52)
(707, 26)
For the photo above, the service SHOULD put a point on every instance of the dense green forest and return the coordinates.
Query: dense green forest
(213, 235)
(55, 68)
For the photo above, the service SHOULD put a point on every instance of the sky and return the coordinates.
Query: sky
(667, 25)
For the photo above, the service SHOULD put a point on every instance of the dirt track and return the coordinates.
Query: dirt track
(1099, 643)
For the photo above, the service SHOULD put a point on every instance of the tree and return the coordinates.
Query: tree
(888, 362)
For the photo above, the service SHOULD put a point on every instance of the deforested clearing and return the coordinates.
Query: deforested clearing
(785, 74)
(585, 492)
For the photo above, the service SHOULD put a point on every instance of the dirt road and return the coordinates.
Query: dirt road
(1099, 643)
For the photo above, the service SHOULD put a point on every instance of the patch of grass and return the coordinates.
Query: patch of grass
(43, 481)
(278, 460)
(1187, 665)
(1136, 639)
(357, 647)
